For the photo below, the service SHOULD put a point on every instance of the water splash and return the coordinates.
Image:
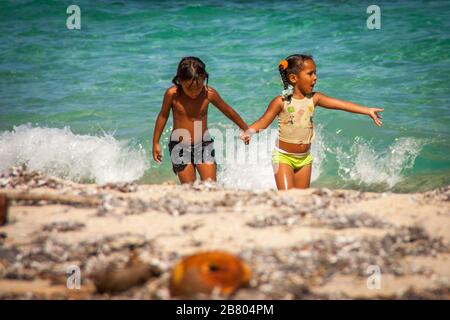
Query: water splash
(363, 164)
(80, 158)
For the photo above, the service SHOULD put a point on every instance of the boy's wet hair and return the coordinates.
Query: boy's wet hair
(294, 65)
(190, 68)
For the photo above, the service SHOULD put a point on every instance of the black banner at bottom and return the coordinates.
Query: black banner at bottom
(215, 309)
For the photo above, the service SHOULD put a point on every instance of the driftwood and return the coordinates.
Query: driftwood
(6, 196)
(3, 209)
(51, 197)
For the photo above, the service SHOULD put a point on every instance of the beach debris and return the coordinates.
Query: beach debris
(319, 218)
(413, 240)
(134, 273)
(63, 226)
(314, 263)
(109, 244)
(3, 209)
(349, 220)
(191, 227)
(3, 236)
(124, 187)
(2, 270)
(199, 185)
(342, 196)
(440, 194)
(440, 293)
(109, 205)
(136, 206)
(54, 197)
(208, 272)
(281, 219)
(21, 176)
(175, 205)
(170, 203)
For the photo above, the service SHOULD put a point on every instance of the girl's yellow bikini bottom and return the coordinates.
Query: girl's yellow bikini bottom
(296, 161)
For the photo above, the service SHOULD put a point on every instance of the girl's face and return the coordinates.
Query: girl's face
(306, 79)
(192, 88)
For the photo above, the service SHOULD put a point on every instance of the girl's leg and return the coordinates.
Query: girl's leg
(207, 171)
(187, 175)
(303, 177)
(284, 176)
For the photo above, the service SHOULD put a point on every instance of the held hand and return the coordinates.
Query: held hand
(157, 154)
(373, 113)
(246, 136)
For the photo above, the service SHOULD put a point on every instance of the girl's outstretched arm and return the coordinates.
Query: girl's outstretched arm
(266, 119)
(332, 103)
(217, 100)
(161, 123)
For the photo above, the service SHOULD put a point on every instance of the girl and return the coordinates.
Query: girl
(190, 145)
(291, 157)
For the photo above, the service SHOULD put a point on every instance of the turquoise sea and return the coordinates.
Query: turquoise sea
(81, 104)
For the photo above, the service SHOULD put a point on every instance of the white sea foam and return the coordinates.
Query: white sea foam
(80, 158)
(364, 164)
(251, 169)
(104, 159)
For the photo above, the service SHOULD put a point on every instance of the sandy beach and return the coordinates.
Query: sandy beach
(299, 244)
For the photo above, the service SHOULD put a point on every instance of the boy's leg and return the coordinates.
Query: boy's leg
(207, 171)
(205, 161)
(187, 175)
(284, 176)
(303, 177)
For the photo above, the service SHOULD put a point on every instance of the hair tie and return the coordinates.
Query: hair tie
(283, 64)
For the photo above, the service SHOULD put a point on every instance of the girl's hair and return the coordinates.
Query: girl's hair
(190, 68)
(291, 65)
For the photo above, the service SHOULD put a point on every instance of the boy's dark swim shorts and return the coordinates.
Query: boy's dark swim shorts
(182, 155)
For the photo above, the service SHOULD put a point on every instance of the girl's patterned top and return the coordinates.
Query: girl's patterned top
(295, 121)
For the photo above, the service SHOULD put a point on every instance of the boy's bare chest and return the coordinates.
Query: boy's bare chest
(190, 108)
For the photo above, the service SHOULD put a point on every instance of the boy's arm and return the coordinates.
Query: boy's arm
(332, 103)
(228, 111)
(161, 123)
(266, 119)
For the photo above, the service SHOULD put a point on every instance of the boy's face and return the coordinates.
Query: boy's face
(192, 88)
(306, 79)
